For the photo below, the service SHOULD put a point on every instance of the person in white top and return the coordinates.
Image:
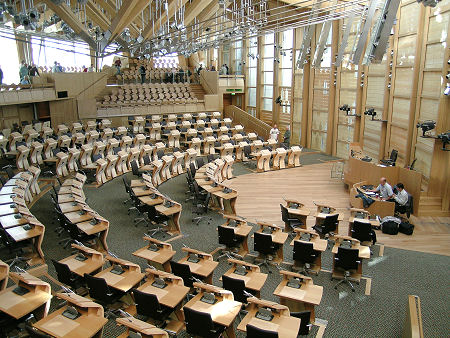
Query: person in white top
(384, 189)
(274, 133)
(401, 197)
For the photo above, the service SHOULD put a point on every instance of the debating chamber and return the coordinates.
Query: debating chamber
(224, 168)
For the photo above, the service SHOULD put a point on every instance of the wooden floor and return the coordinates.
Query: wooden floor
(260, 195)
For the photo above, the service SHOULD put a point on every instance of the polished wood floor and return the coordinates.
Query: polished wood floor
(260, 195)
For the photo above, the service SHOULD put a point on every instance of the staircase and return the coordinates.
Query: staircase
(197, 91)
(431, 206)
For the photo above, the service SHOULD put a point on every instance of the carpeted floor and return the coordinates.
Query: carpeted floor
(395, 275)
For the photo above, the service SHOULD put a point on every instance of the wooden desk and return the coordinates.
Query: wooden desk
(79, 216)
(4, 272)
(8, 209)
(93, 263)
(100, 229)
(318, 245)
(364, 253)
(173, 213)
(305, 298)
(320, 213)
(228, 200)
(89, 323)
(378, 207)
(36, 301)
(223, 312)
(137, 183)
(142, 191)
(150, 201)
(278, 237)
(35, 235)
(171, 295)
(282, 322)
(203, 269)
(254, 278)
(158, 259)
(127, 280)
(13, 220)
(70, 207)
(297, 210)
(241, 229)
(138, 326)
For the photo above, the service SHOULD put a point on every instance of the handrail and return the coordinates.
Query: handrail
(249, 122)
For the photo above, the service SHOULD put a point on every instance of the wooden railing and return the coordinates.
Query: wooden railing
(249, 122)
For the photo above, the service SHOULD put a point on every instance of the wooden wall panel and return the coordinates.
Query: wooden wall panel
(375, 92)
(409, 15)
(403, 80)
(400, 112)
(406, 50)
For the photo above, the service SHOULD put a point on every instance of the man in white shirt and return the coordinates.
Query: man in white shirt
(401, 198)
(274, 133)
(384, 189)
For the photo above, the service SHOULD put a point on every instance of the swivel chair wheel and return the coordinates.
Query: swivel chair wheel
(353, 290)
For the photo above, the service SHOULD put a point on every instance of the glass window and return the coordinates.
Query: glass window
(268, 91)
(286, 77)
(252, 97)
(268, 77)
(9, 60)
(268, 65)
(251, 77)
(267, 104)
(268, 51)
(269, 38)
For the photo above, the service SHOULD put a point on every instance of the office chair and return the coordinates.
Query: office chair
(256, 332)
(99, 291)
(193, 169)
(190, 181)
(141, 209)
(346, 259)
(127, 189)
(363, 232)
(63, 227)
(230, 242)
(3, 180)
(210, 158)
(183, 271)
(135, 168)
(66, 276)
(329, 225)
(391, 160)
(160, 154)
(305, 255)
(265, 247)
(248, 152)
(158, 219)
(201, 203)
(290, 222)
(237, 287)
(305, 326)
(201, 324)
(407, 208)
(200, 162)
(147, 305)
(9, 171)
(77, 235)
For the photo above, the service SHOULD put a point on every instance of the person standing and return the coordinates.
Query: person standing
(118, 64)
(34, 71)
(23, 71)
(142, 72)
(1, 75)
(287, 136)
(274, 132)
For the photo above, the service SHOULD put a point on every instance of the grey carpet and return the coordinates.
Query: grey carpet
(394, 276)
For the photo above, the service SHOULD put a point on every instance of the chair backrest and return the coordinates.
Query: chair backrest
(304, 252)
(126, 185)
(226, 236)
(183, 271)
(9, 172)
(63, 272)
(192, 168)
(394, 154)
(362, 231)
(236, 286)
(147, 304)
(330, 223)
(200, 162)
(98, 289)
(305, 317)
(160, 154)
(198, 323)
(263, 243)
(134, 168)
(210, 158)
(284, 213)
(347, 258)
(147, 160)
(256, 332)
(247, 150)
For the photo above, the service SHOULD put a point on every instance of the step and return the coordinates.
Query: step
(434, 213)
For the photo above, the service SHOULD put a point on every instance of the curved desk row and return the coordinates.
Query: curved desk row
(72, 203)
(17, 222)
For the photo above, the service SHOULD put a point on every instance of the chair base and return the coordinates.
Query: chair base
(346, 280)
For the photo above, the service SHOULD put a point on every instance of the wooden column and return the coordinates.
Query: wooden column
(332, 106)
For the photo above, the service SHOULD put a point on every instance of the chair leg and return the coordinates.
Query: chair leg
(346, 281)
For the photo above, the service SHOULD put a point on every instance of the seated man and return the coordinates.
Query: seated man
(384, 189)
(401, 198)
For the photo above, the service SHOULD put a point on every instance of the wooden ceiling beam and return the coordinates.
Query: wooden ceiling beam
(194, 9)
(127, 13)
(66, 14)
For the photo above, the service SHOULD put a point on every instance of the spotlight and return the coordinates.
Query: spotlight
(371, 112)
(447, 90)
(445, 138)
(278, 100)
(345, 108)
(33, 14)
(426, 126)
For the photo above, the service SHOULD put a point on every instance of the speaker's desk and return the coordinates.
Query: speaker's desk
(89, 323)
(282, 322)
(157, 253)
(223, 311)
(306, 297)
(254, 279)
